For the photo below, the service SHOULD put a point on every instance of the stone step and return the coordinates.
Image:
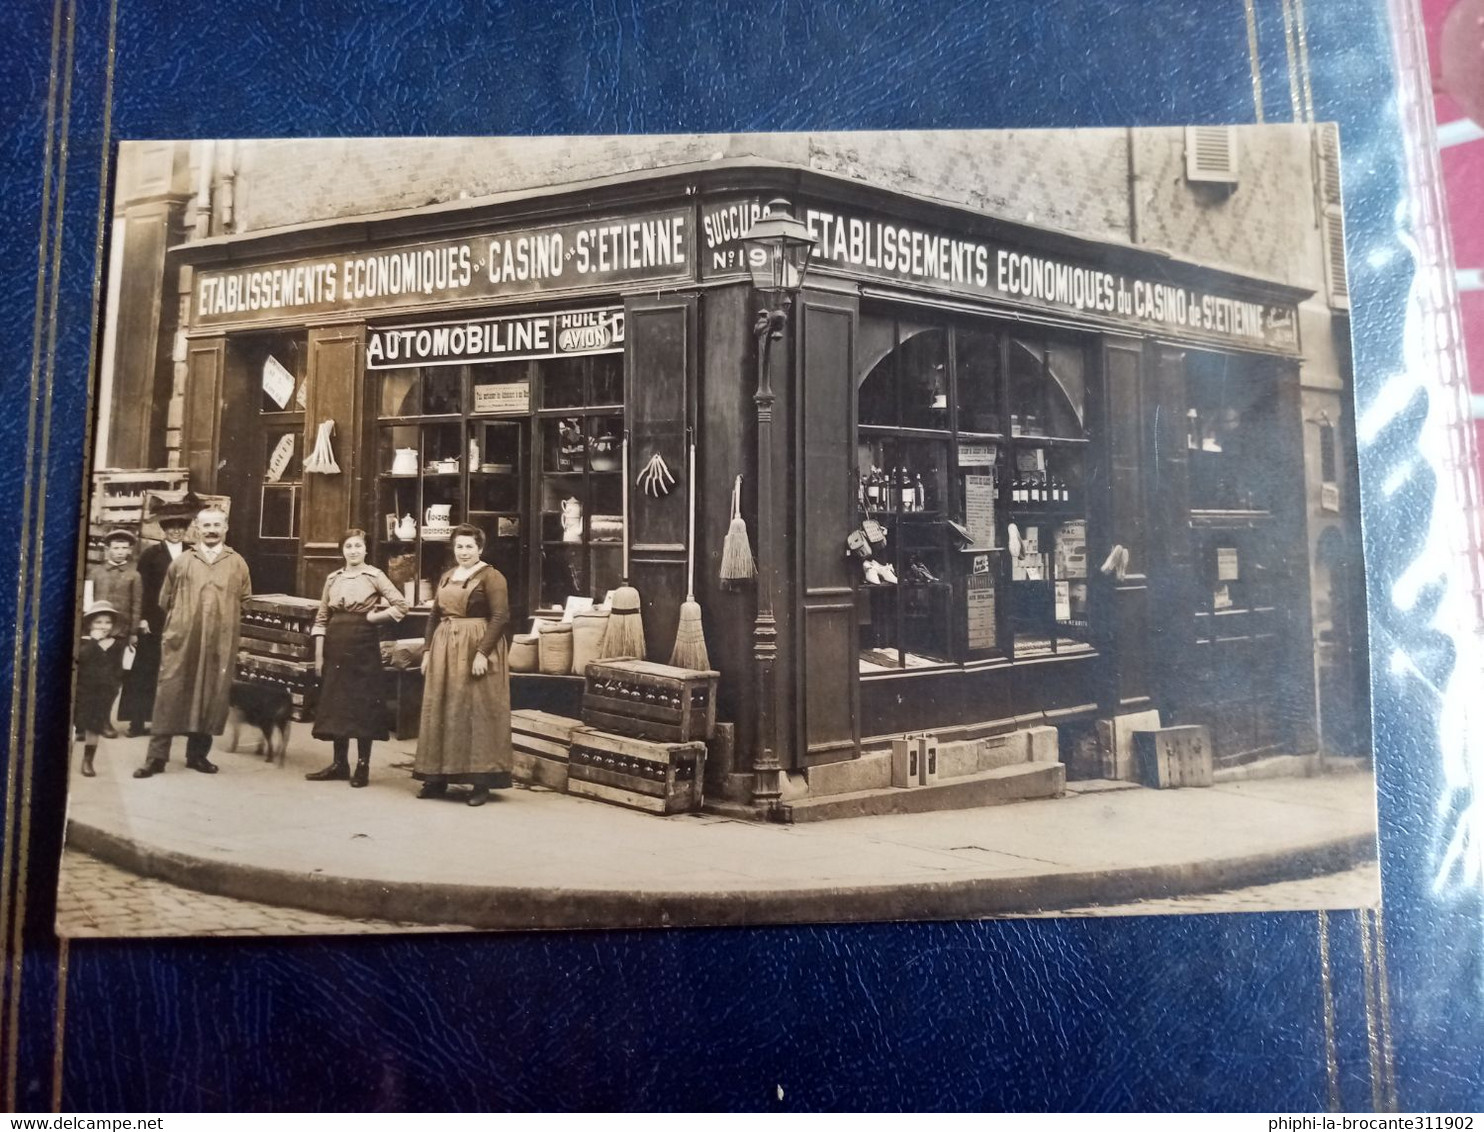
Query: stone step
(989, 788)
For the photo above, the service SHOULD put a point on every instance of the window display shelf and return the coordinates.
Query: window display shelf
(1021, 440)
(1211, 518)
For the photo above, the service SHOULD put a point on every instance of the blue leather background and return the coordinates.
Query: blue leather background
(1221, 1012)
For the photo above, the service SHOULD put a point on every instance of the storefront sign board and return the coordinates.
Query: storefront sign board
(508, 339)
(538, 260)
(885, 250)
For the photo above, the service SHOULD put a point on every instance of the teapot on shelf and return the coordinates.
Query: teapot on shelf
(572, 519)
(406, 528)
(404, 462)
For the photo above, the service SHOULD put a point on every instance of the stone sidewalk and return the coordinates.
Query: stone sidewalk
(537, 859)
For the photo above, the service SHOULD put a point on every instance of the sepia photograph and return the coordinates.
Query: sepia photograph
(687, 530)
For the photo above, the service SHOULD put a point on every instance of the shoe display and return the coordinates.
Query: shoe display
(335, 772)
(918, 572)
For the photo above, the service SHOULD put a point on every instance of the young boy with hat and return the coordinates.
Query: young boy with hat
(116, 582)
(100, 659)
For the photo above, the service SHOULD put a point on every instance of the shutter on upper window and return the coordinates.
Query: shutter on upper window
(1211, 155)
(1331, 214)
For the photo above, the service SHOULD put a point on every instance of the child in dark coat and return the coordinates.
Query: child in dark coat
(100, 672)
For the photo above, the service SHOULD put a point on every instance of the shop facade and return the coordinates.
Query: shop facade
(1091, 471)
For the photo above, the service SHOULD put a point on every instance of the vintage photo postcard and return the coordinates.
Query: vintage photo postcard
(727, 529)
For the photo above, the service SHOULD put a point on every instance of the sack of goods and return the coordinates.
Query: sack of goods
(524, 652)
(556, 649)
(588, 630)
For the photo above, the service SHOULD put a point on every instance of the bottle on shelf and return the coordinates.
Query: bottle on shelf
(906, 491)
(920, 489)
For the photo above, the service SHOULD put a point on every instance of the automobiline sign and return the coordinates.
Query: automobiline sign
(513, 338)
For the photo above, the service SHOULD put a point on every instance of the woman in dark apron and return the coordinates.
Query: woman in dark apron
(357, 598)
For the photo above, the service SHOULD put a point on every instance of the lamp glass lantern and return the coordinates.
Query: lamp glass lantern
(777, 247)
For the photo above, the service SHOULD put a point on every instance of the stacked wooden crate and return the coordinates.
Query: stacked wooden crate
(118, 500)
(644, 740)
(541, 741)
(277, 647)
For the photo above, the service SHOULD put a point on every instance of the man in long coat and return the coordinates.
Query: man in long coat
(138, 700)
(202, 600)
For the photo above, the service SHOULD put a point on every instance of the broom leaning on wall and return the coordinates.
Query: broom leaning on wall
(625, 635)
(690, 637)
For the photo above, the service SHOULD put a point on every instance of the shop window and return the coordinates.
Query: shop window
(528, 451)
(973, 543)
(276, 362)
(1230, 428)
(1327, 471)
(261, 451)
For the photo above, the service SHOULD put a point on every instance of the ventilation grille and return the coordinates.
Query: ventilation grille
(1211, 155)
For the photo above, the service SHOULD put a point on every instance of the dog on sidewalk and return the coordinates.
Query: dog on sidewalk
(266, 710)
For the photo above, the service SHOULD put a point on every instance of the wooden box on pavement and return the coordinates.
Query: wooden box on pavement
(1173, 756)
(650, 701)
(659, 778)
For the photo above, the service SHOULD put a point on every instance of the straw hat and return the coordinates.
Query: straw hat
(96, 609)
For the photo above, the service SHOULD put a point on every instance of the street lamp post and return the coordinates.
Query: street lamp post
(777, 247)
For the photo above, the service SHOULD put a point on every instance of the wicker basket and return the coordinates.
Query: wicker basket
(556, 649)
(523, 652)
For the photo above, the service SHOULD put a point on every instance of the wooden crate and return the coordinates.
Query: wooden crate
(659, 778)
(542, 741)
(118, 495)
(650, 701)
(297, 677)
(1173, 756)
(279, 611)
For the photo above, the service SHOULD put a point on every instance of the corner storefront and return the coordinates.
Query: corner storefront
(1076, 470)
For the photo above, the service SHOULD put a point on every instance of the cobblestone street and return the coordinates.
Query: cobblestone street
(97, 899)
(1356, 888)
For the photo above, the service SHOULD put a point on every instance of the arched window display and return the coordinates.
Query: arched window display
(973, 536)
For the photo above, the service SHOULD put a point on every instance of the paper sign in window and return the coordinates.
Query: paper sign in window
(278, 382)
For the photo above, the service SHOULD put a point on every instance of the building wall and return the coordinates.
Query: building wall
(1078, 182)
